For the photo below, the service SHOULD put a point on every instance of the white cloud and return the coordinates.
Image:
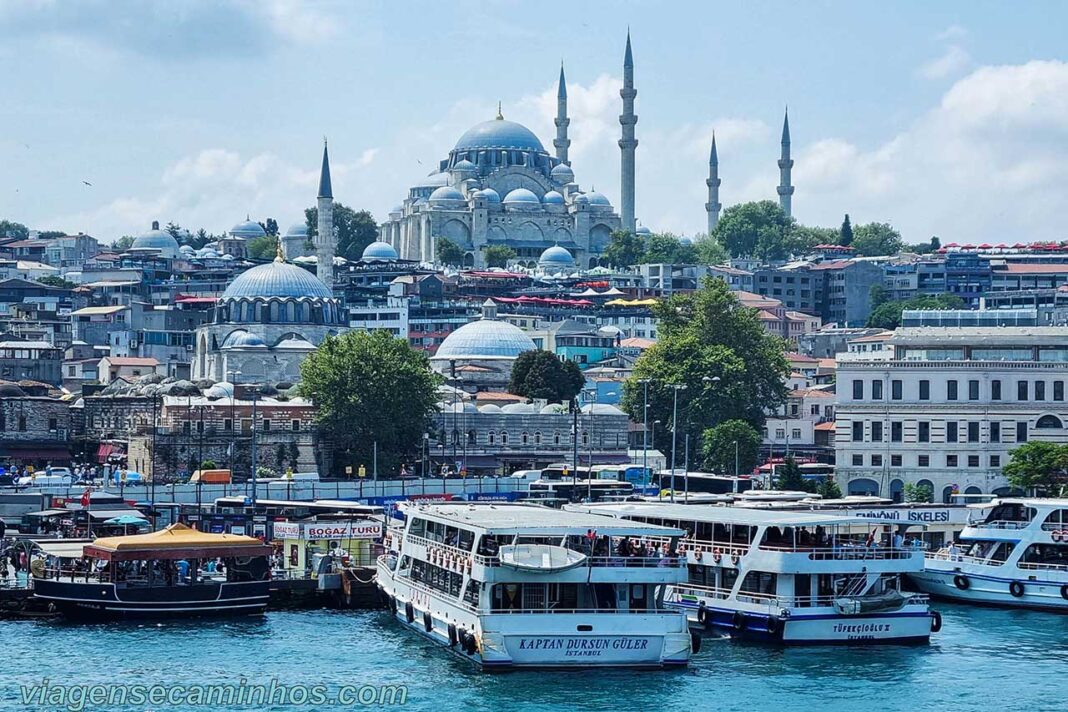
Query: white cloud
(953, 61)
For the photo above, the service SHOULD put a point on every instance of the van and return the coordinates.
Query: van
(526, 475)
(210, 477)
(44, 480)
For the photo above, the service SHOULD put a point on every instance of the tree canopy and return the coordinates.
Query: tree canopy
(887, 315)
(53, 280)
(542, 374)
(845, 235)
(789, 477)
(498, 255)
(356, 229)
(718, 447)
(13, 229)
(262, 248)
(1038, 466)
(762, 230)
(624, 249)
(123, 243)
(370, 387)
(703, 336)
(448, 252)
(876, 239)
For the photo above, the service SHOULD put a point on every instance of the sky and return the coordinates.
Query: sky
(946, 118)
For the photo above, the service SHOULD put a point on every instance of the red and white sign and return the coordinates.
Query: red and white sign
(315, 531)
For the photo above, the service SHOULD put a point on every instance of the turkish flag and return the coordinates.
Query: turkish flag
(85, 497)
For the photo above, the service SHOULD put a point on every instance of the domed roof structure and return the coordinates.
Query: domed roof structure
(243, 340)
(249, 229)
(601, 409)
(582, 199)
(643, 230)
(489, 408)
(562, 173)
(297, 230)
(379, 251)
(553, 198)
(295, 342)
(686, 241)
(490, 195)
(485, 339)
(556, 256)
(464, 165)
(446, 192)
(156, 239)
(499, 133)
(277, 279)
(11, 390)
(553, 409)
(596, 198)
(519, 408)
(522, 198)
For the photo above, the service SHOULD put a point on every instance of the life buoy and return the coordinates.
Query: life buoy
(740, 620)
(471, 644)
(1064, 592)
(697, 556)
(962, 582)
(452, 636)
(1016, 589)
(936, 621)
(428, 621)
(716, 555)
(409, 611)
(702, 614)
(774, 625)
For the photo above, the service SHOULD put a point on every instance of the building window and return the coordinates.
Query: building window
(53, 424)
(973, 432)
(973, 461)
(923, 461)
(504, 437)
(858, 431)
(1058, 390)
(858, 390)
(780, 433)
(925, 390)
(973, 390)
(585, 438)
(995, 432)
(294, 425)
(995, 390)
(796, 434)
(1021, 431)
(895, 461)
(556, 438)
(1040, 390)
(951, 460)
(895, 390)
(951, 390)
(876, 460)
(896, 431)
(876, 390)
(858, 460)
(491, 438)
(995, 460)
(876, 431)
(266, 425)
(187, 427)
(228, 424)
(1021, 390)
(200, 425)
(923, 435)
(524, 438)
(537, 438)
(951, 431)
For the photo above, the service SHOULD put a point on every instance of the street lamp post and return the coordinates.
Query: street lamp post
(674, 428)
(735, 487)
(232, 377)
(645, 427)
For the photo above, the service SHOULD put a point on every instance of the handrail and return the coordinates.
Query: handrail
(771, 600)
(1039, 566)
(595, 611)
(1003, 524)
(943, 555)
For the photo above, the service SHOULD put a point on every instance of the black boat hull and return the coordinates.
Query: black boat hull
(106, 601)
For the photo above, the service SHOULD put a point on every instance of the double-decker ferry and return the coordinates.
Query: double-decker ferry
(520, 585)
(792, 577)
(1017, 555)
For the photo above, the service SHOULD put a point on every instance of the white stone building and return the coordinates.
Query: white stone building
(946, 407)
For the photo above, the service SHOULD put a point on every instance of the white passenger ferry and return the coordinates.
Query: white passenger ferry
(520, 585)
(1017, 555)
(792, 577)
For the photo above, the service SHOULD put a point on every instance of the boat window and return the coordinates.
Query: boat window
(1057, 519)
(488, 545)
(727, 578)
(699, 575)
(1045, 555)
(467, 539)
(760, 582)
(418, 527)
(471, 593)
(1010, 513)
(1002, 551)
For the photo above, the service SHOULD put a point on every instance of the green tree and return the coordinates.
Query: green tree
(710, 251)
(878, 295)
(271, 227)
(1038, 466)
(123, 243)
(888, 314)
(918, 493)
(356, 229)
(174, 230)
(876, 239)
(829, 489)
(198, 239)
(50, 234)
(368, 388)
(667, 249)
(802, 238)
(294, 455)
(789, 477)
(263, 248)
(845, 235)
(13, 229)
(53, 280)
(624, 248)
(721, 444)
(208, 465)
(448, 252)
(498, 255)
(703, 336)
(542, 374)
(757, 229)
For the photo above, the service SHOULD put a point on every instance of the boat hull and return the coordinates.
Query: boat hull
(106, 601)
(983, 587)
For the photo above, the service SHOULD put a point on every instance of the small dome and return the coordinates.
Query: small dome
(277, 279)
(446, 193)
(489, 408)
(582, 199)
(297, 230)
(596, 198)
(186, 248)
(553, 409)
(601, 409)
(457, 407)
(243, 340)
(464, 165)
(490, 195)
(156, 239)
(522, 199)
(562, 173)
(11, 390)
(556, 256)
(248, 230)
(643, 230)
(379, 251)
(499, 133)
(553, 198)
(397, 209)
(484, 339)
(686, 241)
(519, 409)
(295, 342)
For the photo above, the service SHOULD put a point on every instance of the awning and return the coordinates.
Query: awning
(105, 514)
(35, 452)
(45, 513)
(107, 449)
(175, 542)
(65, 549)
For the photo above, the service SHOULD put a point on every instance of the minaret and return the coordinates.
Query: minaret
(786, 191)
(713, 206)
(562, 142)
(325, 238)
(628, 143)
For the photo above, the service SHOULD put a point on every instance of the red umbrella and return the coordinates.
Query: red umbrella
(952, 244)
(986, 246)
(1019, 246)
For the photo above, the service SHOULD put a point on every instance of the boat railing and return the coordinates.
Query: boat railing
(1040, 566)
(771, 600)
(1055, 526)
(452, 600)
(644, 562)
(591, 611)
(945, 555)
(1011, 524)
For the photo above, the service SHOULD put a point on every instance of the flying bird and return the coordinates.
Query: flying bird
(87, 183)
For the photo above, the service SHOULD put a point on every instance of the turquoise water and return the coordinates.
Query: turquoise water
(982, 659)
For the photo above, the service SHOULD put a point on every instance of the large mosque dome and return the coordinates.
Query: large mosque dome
(556, 256)
(156, 239)
(499, 134)
(277, 279)
(249, 229)
(379, 251)
(484, 339)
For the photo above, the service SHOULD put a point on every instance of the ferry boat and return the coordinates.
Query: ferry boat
(1017, 555)
(792, 577)
(520, 585)
(159, 575)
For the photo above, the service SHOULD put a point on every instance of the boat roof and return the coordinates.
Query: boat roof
(516, 518)
(717, 514)
(1030, 501)
(62, 548)
(175, 542)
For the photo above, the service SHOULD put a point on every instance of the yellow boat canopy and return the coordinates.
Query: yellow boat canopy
(631, 303)
(175, 542)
